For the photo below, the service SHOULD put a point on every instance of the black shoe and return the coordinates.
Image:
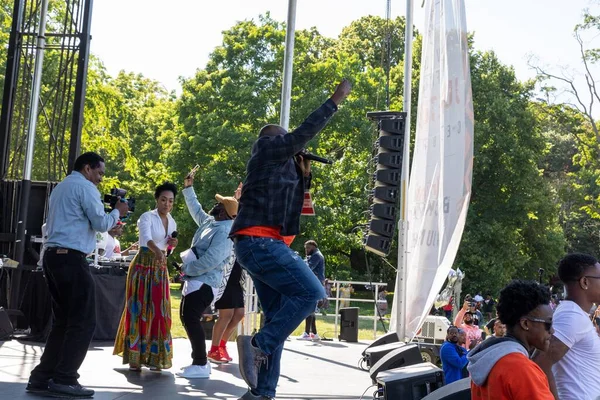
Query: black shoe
(251, 396)
(75, 391)
(251, 359)
(34, 386)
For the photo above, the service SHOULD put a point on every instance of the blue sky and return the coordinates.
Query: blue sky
(164, 40)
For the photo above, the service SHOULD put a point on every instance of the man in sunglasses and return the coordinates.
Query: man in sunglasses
(500, 367)
(572, 362)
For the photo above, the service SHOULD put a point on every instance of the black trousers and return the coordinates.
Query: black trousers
(191, 310)
(72, 290)
(311, 324)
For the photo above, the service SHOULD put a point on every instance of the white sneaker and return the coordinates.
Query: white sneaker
(315, 337)
(195, 371)
(305, 336)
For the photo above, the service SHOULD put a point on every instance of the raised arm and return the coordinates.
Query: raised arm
(546, 359)
(282, 147)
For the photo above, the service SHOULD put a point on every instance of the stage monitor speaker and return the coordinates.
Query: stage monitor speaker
(376, 353)
(459, 390)
(349, 324)
(6, 327)
(408, 354)
(413, 382)
(390, 337)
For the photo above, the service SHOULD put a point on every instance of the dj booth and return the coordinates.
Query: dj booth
(35, 304)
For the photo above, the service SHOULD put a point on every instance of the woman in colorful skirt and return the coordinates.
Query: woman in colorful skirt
(144, 334)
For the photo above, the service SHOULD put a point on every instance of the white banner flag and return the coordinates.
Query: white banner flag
(440, 182)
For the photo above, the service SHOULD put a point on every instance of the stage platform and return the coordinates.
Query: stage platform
(310, 370)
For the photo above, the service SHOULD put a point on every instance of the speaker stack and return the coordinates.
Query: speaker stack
(413, 382)
(349, 324)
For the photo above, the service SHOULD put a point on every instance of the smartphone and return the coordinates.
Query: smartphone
(193, 171)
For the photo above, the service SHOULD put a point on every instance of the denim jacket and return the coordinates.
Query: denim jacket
(210, 244)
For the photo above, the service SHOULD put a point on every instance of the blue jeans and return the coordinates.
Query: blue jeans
(287, 290)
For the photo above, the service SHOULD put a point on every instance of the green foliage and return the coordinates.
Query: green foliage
(536, 185)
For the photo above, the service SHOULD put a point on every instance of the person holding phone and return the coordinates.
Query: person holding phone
(203, 266)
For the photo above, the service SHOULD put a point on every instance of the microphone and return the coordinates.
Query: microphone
(313, 157)
(170, 248)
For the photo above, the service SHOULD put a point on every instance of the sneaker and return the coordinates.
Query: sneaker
(75, 391)
(314, 337)
(251, 358)
(225, 354)
(195, 372)
(305, 336)
(217, 357)
(251, 396)
(37, 386)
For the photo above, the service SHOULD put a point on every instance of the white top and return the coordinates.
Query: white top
(577, 374)
(151, 227)
(193, 286)
(113, 247)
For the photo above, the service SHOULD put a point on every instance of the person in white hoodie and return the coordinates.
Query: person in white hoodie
(500, 367)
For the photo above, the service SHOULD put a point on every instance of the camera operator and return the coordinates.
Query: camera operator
(75, 214)
(268, 220)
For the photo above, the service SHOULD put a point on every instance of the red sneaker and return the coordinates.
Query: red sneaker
(217, 357)
(225, 354)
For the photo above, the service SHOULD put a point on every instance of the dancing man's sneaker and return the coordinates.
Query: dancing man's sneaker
(75, 391)
(251, 396)
(305, 336)
(195, 371)
(251, 359)
(315, 337)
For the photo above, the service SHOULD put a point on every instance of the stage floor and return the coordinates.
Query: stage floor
(309, 370)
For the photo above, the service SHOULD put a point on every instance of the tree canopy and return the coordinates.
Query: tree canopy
(535, 181)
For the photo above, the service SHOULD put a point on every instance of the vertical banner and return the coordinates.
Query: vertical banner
(440, 182)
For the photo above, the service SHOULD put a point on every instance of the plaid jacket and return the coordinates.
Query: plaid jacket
(273, 192)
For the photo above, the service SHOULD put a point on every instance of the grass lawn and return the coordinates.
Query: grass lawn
(325, 324)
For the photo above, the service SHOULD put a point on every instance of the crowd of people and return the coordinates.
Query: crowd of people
(536, 349)
(251, 231)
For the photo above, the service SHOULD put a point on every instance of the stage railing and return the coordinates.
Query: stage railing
(251, 323)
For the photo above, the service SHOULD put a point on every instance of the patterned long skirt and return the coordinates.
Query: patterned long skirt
(144, 334)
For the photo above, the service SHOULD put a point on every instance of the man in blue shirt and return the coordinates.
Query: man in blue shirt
(316, 262)
(454, 357)
(75, 214)
(203, 272)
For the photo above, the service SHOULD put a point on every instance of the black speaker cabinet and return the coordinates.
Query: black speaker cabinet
(408, 354)
(459, 390)
(391, 337)
(410, 383)
(376, 353)
(6, 327)
(349, 324)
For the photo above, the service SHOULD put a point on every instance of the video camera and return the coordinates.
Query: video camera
(112, 198)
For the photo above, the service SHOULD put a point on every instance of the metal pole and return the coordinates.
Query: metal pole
(10, 85)
(288, 66)
(35, 91)
(403, 223)
(80, 85)
(33, 114)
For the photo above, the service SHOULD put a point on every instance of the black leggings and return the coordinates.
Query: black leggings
(191, 310)
(311, 324)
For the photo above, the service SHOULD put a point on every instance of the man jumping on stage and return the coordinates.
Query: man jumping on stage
(267, 222)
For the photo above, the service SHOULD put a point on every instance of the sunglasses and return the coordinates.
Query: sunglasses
(547, 324)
